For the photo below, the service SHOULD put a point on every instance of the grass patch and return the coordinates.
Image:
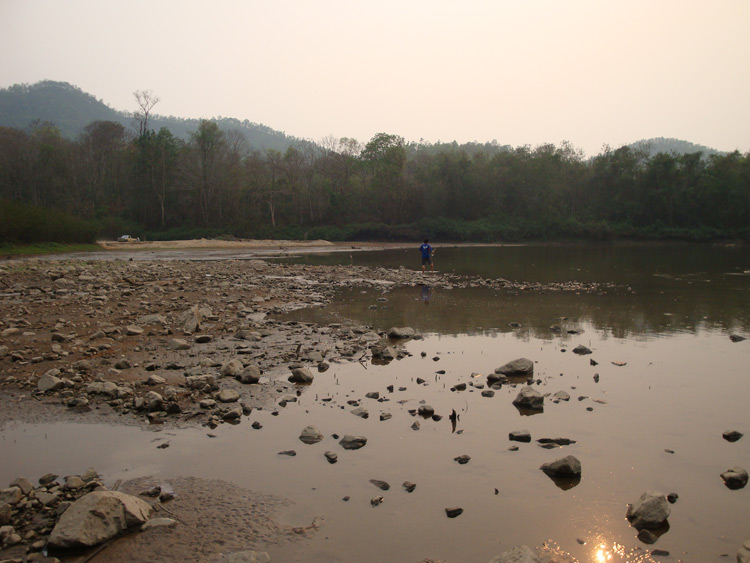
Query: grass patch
(8, 249)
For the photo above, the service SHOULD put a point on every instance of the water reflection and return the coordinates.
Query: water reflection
(679, 288)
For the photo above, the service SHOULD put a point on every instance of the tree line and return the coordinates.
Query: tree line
(111, 180)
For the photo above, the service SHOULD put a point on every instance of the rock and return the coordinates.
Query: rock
(232, 368)
(375, 501)
(199, 381)
(415, 425)
(233, 415)
(488, 393)
(310, 435)
(290, 453)
(22, 483)
(301, 375)
(520, 554)
(382, 485)
(401, 332)
(581, 350)
(372, 395)
(736, 338)
(453, 512)
(154, 379)
(672, 498)
(409, 486)
(735, 478)
(732, 435)
(520, 436)
(249, 375)
(650, 511)
(154, 401)
(159, 523)
(425, 411)
(97, 517)
(5, 514)
(561, 396)
(567, 467)
(743, 555)
(332, 457)
(179, 344)
(385, 416)
(556, 441)
(360, 412)
(349, 442)
(647, 536)
(74, 482)
(47, 478)
(462, 459)
(516, 368)
(228, 396)
(133, 330)
(203, 339)
(11, 495)
(529, 398)
(49, 382)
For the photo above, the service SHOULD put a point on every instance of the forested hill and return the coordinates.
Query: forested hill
(671, 146)
(71, 110)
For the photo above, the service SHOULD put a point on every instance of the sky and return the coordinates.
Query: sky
(521, 72)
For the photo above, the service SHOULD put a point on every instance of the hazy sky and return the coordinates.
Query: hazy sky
(522, 72)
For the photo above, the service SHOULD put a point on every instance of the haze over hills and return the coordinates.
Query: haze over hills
(71, 110)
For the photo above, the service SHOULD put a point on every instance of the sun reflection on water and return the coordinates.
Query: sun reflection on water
(601, 551)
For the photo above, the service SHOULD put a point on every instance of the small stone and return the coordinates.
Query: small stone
(349, 442)
(425, 411)
(332, 457)
(453, 512)
(301, 375)
(409, 486)
(647, 536)
(735, 478)
(581, 350)
(732, 435)
(520, 436)
(375, 501)
(462, 459)
(228, 396)
(310, 435)
(383, 485)
(290, 453)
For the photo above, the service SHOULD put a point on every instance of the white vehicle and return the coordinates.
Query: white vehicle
(127, 238)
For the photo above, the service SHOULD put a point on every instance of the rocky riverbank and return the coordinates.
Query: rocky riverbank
(182, 344)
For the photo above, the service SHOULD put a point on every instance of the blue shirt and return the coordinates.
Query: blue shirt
(426, 250)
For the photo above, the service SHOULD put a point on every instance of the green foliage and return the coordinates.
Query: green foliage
(21, 223)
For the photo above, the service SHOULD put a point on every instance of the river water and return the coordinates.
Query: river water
(649, 415)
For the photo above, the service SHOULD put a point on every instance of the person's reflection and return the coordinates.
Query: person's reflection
(426, 293)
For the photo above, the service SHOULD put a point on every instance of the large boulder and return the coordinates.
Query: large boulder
(743, 555)
(232, 368)
(650, 511)
(97, 517)
(517, 368)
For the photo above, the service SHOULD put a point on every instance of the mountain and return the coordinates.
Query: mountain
(71, 110)
(668, 145)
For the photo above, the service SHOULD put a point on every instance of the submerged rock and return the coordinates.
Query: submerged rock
(519, 554)
(569, 466)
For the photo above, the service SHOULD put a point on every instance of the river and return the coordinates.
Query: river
(647, 410)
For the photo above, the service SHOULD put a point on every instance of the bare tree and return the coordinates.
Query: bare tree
(146, 101)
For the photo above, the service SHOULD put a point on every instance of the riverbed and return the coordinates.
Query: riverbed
(646, 411)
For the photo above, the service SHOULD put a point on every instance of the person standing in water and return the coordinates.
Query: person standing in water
(427, 253)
